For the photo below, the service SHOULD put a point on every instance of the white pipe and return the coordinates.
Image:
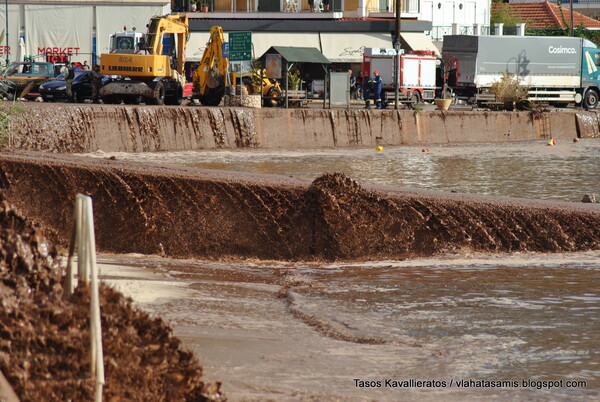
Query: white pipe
(95, 298)
(70, 279)
(83, 235)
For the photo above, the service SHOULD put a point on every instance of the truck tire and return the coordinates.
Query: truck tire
(415, 99)
(159, 94)
(590, 99)
(176, 98)
(274, 97)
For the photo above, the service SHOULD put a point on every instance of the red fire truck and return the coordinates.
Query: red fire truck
(417, 74)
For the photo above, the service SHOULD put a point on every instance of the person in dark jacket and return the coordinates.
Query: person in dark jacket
(96, 83)
(367, 91)
(69, 81)
(377, 84)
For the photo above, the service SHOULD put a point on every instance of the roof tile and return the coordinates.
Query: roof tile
(547, 15)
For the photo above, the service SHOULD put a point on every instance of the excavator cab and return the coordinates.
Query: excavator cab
(127, 42)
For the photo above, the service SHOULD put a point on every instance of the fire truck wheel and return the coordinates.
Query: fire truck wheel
(415, 99)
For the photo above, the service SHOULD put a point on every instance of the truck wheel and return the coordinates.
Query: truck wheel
(274, 97)
(159, 94)
(590, 100)
(415, 99)
(176, 98)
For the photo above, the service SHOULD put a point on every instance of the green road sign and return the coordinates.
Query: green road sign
(240, 46)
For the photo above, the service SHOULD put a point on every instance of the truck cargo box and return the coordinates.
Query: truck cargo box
(539, 61)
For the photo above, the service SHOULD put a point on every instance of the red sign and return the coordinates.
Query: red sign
(57, 58)
(69, 51)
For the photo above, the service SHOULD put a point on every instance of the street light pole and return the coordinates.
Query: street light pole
(397, 48)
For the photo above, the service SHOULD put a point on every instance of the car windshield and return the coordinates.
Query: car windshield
(81, 75)
(15, 68)
(60, 77)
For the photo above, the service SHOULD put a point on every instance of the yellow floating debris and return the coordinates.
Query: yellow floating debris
(379, 148)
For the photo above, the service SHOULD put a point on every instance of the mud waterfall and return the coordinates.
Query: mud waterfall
(196, 213)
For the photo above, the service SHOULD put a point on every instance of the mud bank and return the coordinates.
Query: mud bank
(183, 212)
(45, 339)
(110, 128)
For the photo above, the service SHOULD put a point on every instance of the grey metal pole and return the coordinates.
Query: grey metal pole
(397, 48)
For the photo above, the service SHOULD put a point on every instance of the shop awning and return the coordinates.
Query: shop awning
(262, 41)
(419, 41)
(348, 47)
(300, 54)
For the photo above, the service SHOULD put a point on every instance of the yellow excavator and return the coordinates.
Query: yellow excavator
(210, 78)
(257, 81)
(151, 66)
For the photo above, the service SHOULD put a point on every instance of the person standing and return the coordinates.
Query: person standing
(367, 91)
(96, 83)
(69, 81)
(377, 84)
(352, 85)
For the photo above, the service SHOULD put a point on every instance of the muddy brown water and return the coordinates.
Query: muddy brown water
(314, 330)
(528, 323)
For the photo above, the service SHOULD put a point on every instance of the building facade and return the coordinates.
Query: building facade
(79, 30)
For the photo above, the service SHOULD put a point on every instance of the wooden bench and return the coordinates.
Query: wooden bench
(296, 97)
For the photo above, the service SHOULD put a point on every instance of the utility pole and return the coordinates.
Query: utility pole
(572, 30)
(6, 32)
(397, 48)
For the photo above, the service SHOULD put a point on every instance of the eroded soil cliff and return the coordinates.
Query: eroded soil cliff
(45, 339)
(186, 212)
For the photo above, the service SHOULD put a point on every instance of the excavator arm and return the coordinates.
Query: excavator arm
(209, 78)
(175, 24)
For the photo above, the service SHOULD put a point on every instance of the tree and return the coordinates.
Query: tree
(503, 13)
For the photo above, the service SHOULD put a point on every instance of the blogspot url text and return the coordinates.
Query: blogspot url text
(468, 383)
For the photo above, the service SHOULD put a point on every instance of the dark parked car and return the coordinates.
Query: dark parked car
(56, 90)
(22, 79)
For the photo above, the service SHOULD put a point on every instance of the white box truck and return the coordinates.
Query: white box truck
(555, 69)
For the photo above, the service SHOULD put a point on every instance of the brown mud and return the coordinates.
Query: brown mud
(45, 339)
(186, 212)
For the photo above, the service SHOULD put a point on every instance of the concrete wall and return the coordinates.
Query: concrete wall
(86, 128)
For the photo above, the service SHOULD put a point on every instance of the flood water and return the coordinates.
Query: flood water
(535, 170)
(456, 327)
